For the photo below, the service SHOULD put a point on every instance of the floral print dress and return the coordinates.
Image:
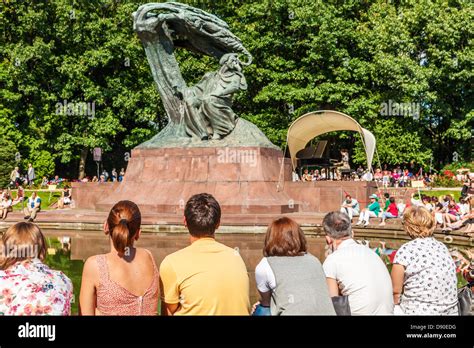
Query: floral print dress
(31, 288)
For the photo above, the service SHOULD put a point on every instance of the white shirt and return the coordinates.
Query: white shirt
(361, 275)
(464, 208)
(264, 276)
(7, 203)
(367, 177)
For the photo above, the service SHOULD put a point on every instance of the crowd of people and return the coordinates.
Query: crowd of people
(28, 179)
(210, 278)
(105, 177)
(395, 177)
(448, 213)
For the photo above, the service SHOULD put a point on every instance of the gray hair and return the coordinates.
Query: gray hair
(337, 225)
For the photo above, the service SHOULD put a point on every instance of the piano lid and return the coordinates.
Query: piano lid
(316, 151)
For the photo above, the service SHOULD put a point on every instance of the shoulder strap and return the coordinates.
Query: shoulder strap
(103, 269)
(152, 259)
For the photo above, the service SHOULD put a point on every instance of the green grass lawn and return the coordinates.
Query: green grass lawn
(47, 198)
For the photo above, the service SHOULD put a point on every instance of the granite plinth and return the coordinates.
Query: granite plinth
(160, 180)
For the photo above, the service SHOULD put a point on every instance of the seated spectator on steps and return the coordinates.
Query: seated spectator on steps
(464, 207)
(27, 285)
(33, 207)
(207, 277)
(290, 280)
(124, 281)
(391, 212)
(416, 199)
(438, 210)
(5, 205)
(307, 176)
(424, 273)
(20, 196)
(372, 210)
(65, 199)
(452, 214)
(386, 197)
(426, 202)
(350, 206)
(401, 207)
(355, 270)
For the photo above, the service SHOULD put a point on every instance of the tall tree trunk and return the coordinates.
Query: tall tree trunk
(82, 163)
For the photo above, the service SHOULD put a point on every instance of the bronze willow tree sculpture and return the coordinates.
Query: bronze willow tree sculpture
(203, 111)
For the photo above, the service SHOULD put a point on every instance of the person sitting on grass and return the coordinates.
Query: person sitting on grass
(290, 280)
(391, 212)
(207, 277)
(33, 207)
(124, 281)
(27, 285)
(5, 205)
(372, 210)
(424, 273)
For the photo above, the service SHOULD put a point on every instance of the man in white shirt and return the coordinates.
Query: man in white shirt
(350, 206)
(355, 270)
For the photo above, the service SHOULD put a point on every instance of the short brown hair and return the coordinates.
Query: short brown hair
(418, 222)
(284, 238)
(202, 214)
(22, 241)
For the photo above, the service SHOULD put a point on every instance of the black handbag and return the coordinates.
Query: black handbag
(341, 305)
(465, 300)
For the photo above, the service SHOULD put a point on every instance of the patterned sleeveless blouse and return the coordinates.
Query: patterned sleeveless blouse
(113, 299)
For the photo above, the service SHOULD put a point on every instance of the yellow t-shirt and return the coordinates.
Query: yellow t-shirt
(206, 278)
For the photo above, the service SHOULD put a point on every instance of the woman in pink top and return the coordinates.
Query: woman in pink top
(125, 280)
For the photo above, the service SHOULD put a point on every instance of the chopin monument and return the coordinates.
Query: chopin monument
(205, 147)
(198, 115)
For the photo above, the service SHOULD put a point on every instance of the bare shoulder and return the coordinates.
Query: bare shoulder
(144, 253)
(90, 267)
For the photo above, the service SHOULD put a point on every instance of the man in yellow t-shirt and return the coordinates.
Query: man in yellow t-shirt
(207, 277)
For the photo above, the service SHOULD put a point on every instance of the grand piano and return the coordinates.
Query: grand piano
(317, 156)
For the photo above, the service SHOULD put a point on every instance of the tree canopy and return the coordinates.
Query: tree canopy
(351, 56)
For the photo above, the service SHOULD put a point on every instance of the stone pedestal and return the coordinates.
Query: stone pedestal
(252, 184)
(243, 179)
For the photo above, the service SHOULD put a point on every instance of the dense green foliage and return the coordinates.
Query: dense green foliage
(352, 56)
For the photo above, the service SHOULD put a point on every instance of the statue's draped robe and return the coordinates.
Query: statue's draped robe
(214, 112)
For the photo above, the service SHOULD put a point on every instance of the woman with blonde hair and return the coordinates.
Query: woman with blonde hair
(423, 274)
(124, 281)
(27, 285)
